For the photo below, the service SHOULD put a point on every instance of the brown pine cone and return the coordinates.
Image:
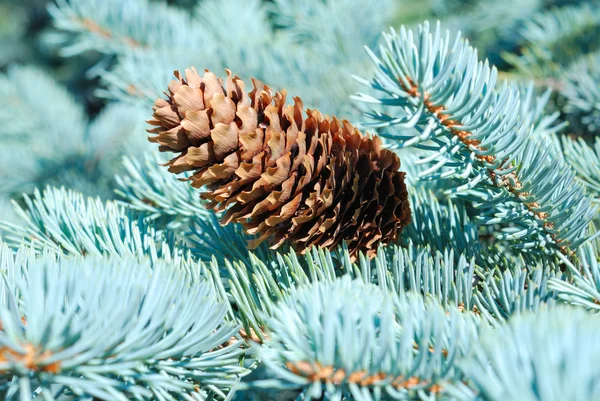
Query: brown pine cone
(281, 173)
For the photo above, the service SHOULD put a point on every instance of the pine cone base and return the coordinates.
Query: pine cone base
(283, 174)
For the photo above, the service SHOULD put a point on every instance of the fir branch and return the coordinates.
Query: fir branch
(69, 331)
(477, 136)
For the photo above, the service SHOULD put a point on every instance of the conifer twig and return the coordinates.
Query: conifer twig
(479, 136)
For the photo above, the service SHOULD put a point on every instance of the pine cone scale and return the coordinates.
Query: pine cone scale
(197, 126)
(285, 177)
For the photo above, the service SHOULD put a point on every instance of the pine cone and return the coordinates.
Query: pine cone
(309, 180)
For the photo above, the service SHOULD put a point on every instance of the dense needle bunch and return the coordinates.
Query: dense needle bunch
(310, 180)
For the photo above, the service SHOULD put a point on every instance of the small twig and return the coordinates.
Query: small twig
(464, 136)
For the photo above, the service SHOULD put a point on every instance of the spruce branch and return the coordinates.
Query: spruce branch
(170, 39)
(140, 77)
(399, 347)
(582, 288)
(256, 286)
(443, 276)
(512, 287)
(206, 238)
(70, 223)
(519, 288)
(443, 226)
(149, 189)
(585, 159)
(581, 89)
(14, 262)
(251, 14)
(69, 331)
(119, 27)
(156, 194)
(552, 39)
(536, 112)
(14, 34)
(476, 135)
(67, 222)
(47, 139)
(308, 23)
(30, 131)
(544, 356)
